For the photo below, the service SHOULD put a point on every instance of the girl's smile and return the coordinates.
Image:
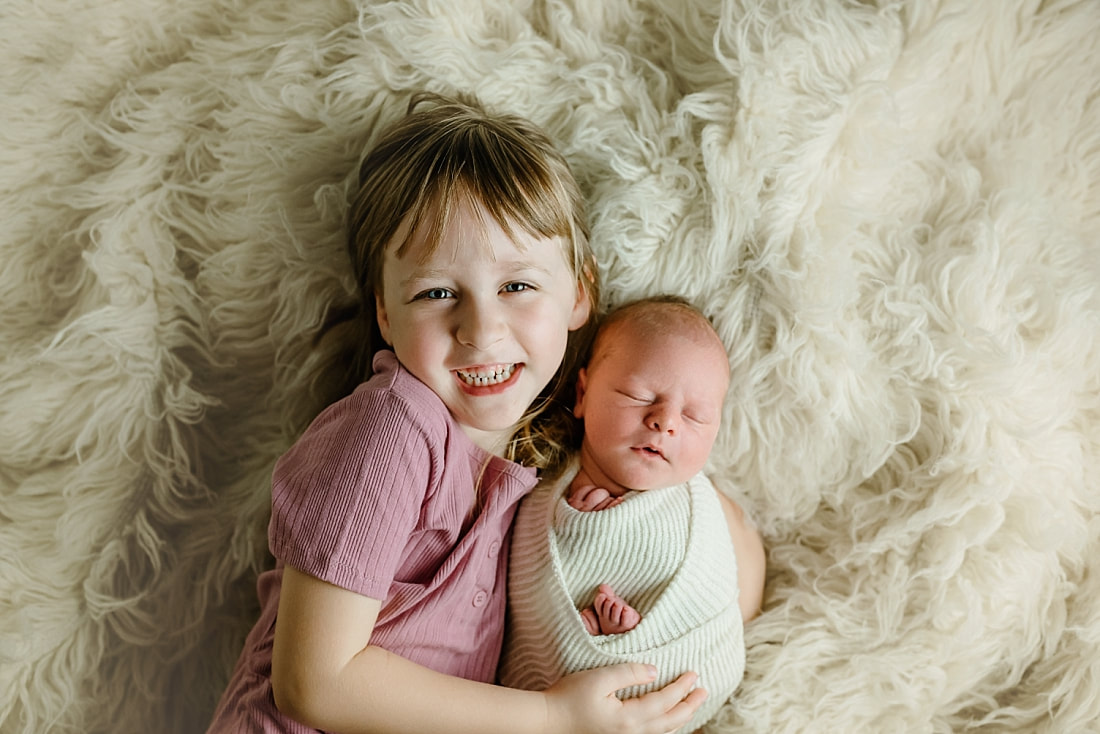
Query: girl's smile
(488, 380)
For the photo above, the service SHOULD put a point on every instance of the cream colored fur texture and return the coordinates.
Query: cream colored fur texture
(891, 210)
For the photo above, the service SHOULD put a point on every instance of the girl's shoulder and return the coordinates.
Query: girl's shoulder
(392, 381)
(393, 396)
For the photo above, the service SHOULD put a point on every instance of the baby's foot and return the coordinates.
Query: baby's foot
(609, 614)
(591, 623)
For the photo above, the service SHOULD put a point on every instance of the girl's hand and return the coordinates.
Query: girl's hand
(585, 702)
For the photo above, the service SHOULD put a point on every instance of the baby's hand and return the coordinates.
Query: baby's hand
(590, 498)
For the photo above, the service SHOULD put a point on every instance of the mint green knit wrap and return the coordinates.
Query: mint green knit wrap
(667, 552)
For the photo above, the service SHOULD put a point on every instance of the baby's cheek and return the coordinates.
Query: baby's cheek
(697, 456)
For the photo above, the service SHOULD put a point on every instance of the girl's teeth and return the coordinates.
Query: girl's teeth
(491, 376)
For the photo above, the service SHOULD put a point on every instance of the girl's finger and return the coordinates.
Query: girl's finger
(682, 712)
(677, 690)
(676, 697)
(624, 675)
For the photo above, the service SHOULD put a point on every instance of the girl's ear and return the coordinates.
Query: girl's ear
(582, 308)
(382, 317)
(582, 385)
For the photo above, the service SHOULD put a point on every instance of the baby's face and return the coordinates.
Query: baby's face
(651, 409)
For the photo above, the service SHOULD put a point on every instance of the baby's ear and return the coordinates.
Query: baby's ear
(582, 383)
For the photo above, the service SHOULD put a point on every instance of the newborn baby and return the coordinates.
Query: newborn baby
(634, 555)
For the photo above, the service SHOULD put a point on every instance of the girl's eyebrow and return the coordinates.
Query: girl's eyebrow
(418, 275)
(508, 268)
(512, 266)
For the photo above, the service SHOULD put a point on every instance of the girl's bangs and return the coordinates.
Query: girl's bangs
(535, 203)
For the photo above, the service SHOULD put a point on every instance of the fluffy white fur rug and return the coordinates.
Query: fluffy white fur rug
(890, 209)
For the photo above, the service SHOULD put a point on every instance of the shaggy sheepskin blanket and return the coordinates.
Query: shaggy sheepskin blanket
(891, 210)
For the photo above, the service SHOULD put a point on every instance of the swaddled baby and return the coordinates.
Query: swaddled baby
(634, 555)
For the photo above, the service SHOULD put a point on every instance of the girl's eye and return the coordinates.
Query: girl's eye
(516, 287)
(435, 294)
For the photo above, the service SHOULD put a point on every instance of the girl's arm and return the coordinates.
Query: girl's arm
(751, 562)
(327, 676)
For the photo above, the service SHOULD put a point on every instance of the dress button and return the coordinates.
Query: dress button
(494, 549)
(480, 598)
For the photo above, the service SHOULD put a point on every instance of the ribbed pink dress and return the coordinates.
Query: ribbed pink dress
(372, 498)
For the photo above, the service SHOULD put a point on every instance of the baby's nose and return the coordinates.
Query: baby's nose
(663, 420)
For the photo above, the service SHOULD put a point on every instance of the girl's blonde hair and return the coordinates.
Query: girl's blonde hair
(445, 151)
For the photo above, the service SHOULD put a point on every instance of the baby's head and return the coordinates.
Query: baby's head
(651, 395)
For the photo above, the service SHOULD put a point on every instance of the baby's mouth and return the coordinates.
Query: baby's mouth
(486, 376)
(650, 451)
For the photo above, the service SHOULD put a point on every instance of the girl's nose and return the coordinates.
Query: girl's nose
(480, 325)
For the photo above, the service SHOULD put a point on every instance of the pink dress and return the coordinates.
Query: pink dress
(372, 498)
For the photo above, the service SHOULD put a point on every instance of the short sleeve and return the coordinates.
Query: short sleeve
(347, 496)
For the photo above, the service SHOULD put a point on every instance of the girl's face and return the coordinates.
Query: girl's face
(483, 321)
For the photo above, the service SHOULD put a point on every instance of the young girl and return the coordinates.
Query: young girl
(391, 515)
